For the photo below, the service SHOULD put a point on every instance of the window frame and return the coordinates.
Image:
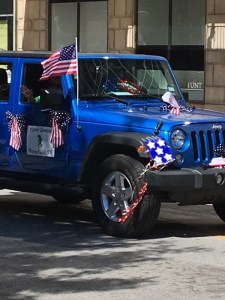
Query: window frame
(4, 63)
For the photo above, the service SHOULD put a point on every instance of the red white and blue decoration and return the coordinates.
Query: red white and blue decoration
(58, 120)
(16, 124)
(172, 106)
(115, 85)
(220, 151)
(172, 110)
(218, 162)
(160, 152)
(160, 156)
(61, 62)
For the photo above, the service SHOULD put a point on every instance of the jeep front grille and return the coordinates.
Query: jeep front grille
(205, 142)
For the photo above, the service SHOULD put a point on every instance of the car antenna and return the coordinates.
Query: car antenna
(158, 127)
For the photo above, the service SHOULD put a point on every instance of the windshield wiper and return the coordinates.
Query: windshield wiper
(112, 96)
(121, 100)
(94, 96)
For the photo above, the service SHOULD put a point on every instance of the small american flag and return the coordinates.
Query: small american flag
(15, 137)
(61, 62)
(56, 135)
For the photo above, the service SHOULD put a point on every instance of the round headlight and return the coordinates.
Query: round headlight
(178, 139)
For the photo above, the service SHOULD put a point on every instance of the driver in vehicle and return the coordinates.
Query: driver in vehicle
(54, 83)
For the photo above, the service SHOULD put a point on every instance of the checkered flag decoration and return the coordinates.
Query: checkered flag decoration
(220, 151)
(160, 152)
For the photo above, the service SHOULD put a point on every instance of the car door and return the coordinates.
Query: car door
(7, 64)
(39, 154)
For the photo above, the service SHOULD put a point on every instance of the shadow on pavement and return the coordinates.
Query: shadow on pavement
(49, 248)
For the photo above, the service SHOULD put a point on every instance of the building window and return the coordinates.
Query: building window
(6, 25)
(178, 35)
(86, 20)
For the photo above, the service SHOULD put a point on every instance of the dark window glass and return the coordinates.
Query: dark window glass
(180, 57)
(31, 76)
(6, 7)
(183, 49)
(46, 92)
(187, 58)
(176, 30)
(81, 17)
(5, 80)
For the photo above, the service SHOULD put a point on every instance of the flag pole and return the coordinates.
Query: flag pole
(76, 49)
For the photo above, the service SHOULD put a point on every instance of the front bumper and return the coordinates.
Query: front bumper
(189, 186)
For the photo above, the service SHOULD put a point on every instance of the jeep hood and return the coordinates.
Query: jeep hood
(143, 116)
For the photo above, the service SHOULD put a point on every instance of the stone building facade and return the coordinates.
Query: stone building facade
(33, 22)
(32, 25)
(33, 32)
(215, 54)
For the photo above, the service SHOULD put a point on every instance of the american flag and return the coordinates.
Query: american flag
(159, 151)
(56, 135)
(61, 62)
(220, 151)
(15, 137)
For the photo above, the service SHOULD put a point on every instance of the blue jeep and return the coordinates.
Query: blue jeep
(121, 143)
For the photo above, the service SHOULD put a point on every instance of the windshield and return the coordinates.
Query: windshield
(125, 78)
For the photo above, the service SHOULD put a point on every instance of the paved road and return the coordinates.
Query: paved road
(55, 252)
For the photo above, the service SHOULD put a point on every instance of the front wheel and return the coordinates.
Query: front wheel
(118, 183)
(220, 210)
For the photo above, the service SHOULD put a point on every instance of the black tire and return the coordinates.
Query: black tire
(220, 210)
(116, 174)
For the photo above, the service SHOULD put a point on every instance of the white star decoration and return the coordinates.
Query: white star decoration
(151, 145)
(168, 156)
(159, 151)
(158, 159)
(161, 142)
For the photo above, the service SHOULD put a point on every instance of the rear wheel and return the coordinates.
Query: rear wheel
(220, 210)
(118, 183)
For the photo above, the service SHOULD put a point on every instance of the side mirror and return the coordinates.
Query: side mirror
(51, 97)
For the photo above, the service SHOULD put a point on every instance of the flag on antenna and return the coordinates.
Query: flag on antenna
(61, 62)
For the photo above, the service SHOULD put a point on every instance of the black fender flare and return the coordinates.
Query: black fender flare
(111, 143)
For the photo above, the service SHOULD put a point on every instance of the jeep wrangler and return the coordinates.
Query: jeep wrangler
(122, 135)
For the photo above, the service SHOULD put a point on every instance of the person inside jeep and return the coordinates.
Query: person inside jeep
(4, 86)
(54, 83)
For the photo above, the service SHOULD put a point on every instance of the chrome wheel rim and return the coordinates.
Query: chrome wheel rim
(116, 195)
